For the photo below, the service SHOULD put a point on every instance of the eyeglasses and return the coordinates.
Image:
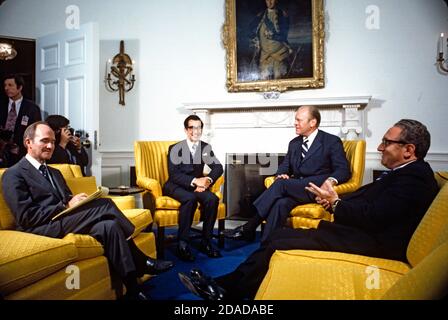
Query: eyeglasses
(386, 142)
(191, 128)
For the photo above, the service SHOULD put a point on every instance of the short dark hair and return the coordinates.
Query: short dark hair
(57, 122)
(416, 133)
(18, 79)
(314, 113)
(194, 118)
(30, 131)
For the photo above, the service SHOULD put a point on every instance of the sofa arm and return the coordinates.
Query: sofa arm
(269, 181)
(326, 275)
(151, 185)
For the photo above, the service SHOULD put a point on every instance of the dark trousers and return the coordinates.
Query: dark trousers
(102, 220)
(275, 203)
(244, 282)
(189, 201)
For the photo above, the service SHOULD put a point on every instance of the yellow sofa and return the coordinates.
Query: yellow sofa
(43, 268)
(320, 275)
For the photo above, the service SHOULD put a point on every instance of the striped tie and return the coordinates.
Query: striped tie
(44, 171)
(304, 147)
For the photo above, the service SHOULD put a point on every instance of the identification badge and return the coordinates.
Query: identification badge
(24, 121)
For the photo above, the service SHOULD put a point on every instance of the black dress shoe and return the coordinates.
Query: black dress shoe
(202, 285)
(208, 249)
(154, 266)
(240, 233)
(184, 252)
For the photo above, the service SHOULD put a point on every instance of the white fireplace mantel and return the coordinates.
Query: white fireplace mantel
(345, 113)
(276, 103)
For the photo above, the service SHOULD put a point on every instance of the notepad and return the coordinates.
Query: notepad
(100, 192)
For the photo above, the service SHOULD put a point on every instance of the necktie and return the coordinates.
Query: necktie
(43, 169)
(12, 116)
(304, 147)
(193, 149)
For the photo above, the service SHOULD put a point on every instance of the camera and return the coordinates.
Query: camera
(76, 133)
(80, 134)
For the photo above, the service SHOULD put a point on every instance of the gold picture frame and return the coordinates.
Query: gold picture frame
(274, 56)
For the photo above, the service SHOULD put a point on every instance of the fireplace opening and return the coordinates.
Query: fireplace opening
(244, 181)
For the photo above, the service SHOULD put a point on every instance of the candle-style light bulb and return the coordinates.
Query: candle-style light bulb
(441, 43)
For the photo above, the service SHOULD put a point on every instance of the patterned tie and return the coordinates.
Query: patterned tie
(12, 116)
(304, 147)
(43, 169)
(193, 149)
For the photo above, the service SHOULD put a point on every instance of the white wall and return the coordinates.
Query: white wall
(181, 59)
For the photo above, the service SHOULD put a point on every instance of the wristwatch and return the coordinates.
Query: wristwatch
(335, 203)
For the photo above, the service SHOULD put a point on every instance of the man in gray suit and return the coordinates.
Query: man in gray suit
(36, 193)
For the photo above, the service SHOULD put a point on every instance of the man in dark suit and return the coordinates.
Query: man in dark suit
(314, 156)
(188, 184)
(378, 220)
(18, 114)
(36, 193)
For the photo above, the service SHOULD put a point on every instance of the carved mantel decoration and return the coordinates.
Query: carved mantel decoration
(344, 113)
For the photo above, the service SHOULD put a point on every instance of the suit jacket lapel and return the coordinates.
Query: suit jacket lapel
(58, 184)
(37, 176)
(22, 112)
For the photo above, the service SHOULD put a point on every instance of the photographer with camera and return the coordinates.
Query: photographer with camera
(68, 146)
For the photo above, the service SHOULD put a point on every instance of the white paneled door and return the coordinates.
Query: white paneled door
(67, 80)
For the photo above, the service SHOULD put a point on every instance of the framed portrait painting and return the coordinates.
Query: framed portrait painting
(274, 45)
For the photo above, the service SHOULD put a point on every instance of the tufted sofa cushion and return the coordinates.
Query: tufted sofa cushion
(27, 258)
(317, 275)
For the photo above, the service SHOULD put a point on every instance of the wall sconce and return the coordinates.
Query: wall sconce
(120, 74)
(7, 51)
(440, 60)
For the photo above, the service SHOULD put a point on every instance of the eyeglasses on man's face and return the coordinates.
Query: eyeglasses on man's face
(387, 142)
(193, 128)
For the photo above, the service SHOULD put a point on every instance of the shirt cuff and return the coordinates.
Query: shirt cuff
(333, 179)
(192, 183)
(210, 179)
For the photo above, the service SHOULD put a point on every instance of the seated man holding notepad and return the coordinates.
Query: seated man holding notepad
(36, 194)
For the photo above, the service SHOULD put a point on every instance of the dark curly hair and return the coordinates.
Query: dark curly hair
(416, 133)
(57, 122)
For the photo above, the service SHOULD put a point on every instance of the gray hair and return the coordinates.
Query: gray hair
(416, 133)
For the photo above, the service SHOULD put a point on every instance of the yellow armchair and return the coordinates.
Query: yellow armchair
(78, 184)
(322, 275)
(151, 168)
(309, 215)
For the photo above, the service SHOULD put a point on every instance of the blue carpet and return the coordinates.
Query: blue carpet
(167, 286)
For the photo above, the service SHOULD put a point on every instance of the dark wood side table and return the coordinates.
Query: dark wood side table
(121, 191)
